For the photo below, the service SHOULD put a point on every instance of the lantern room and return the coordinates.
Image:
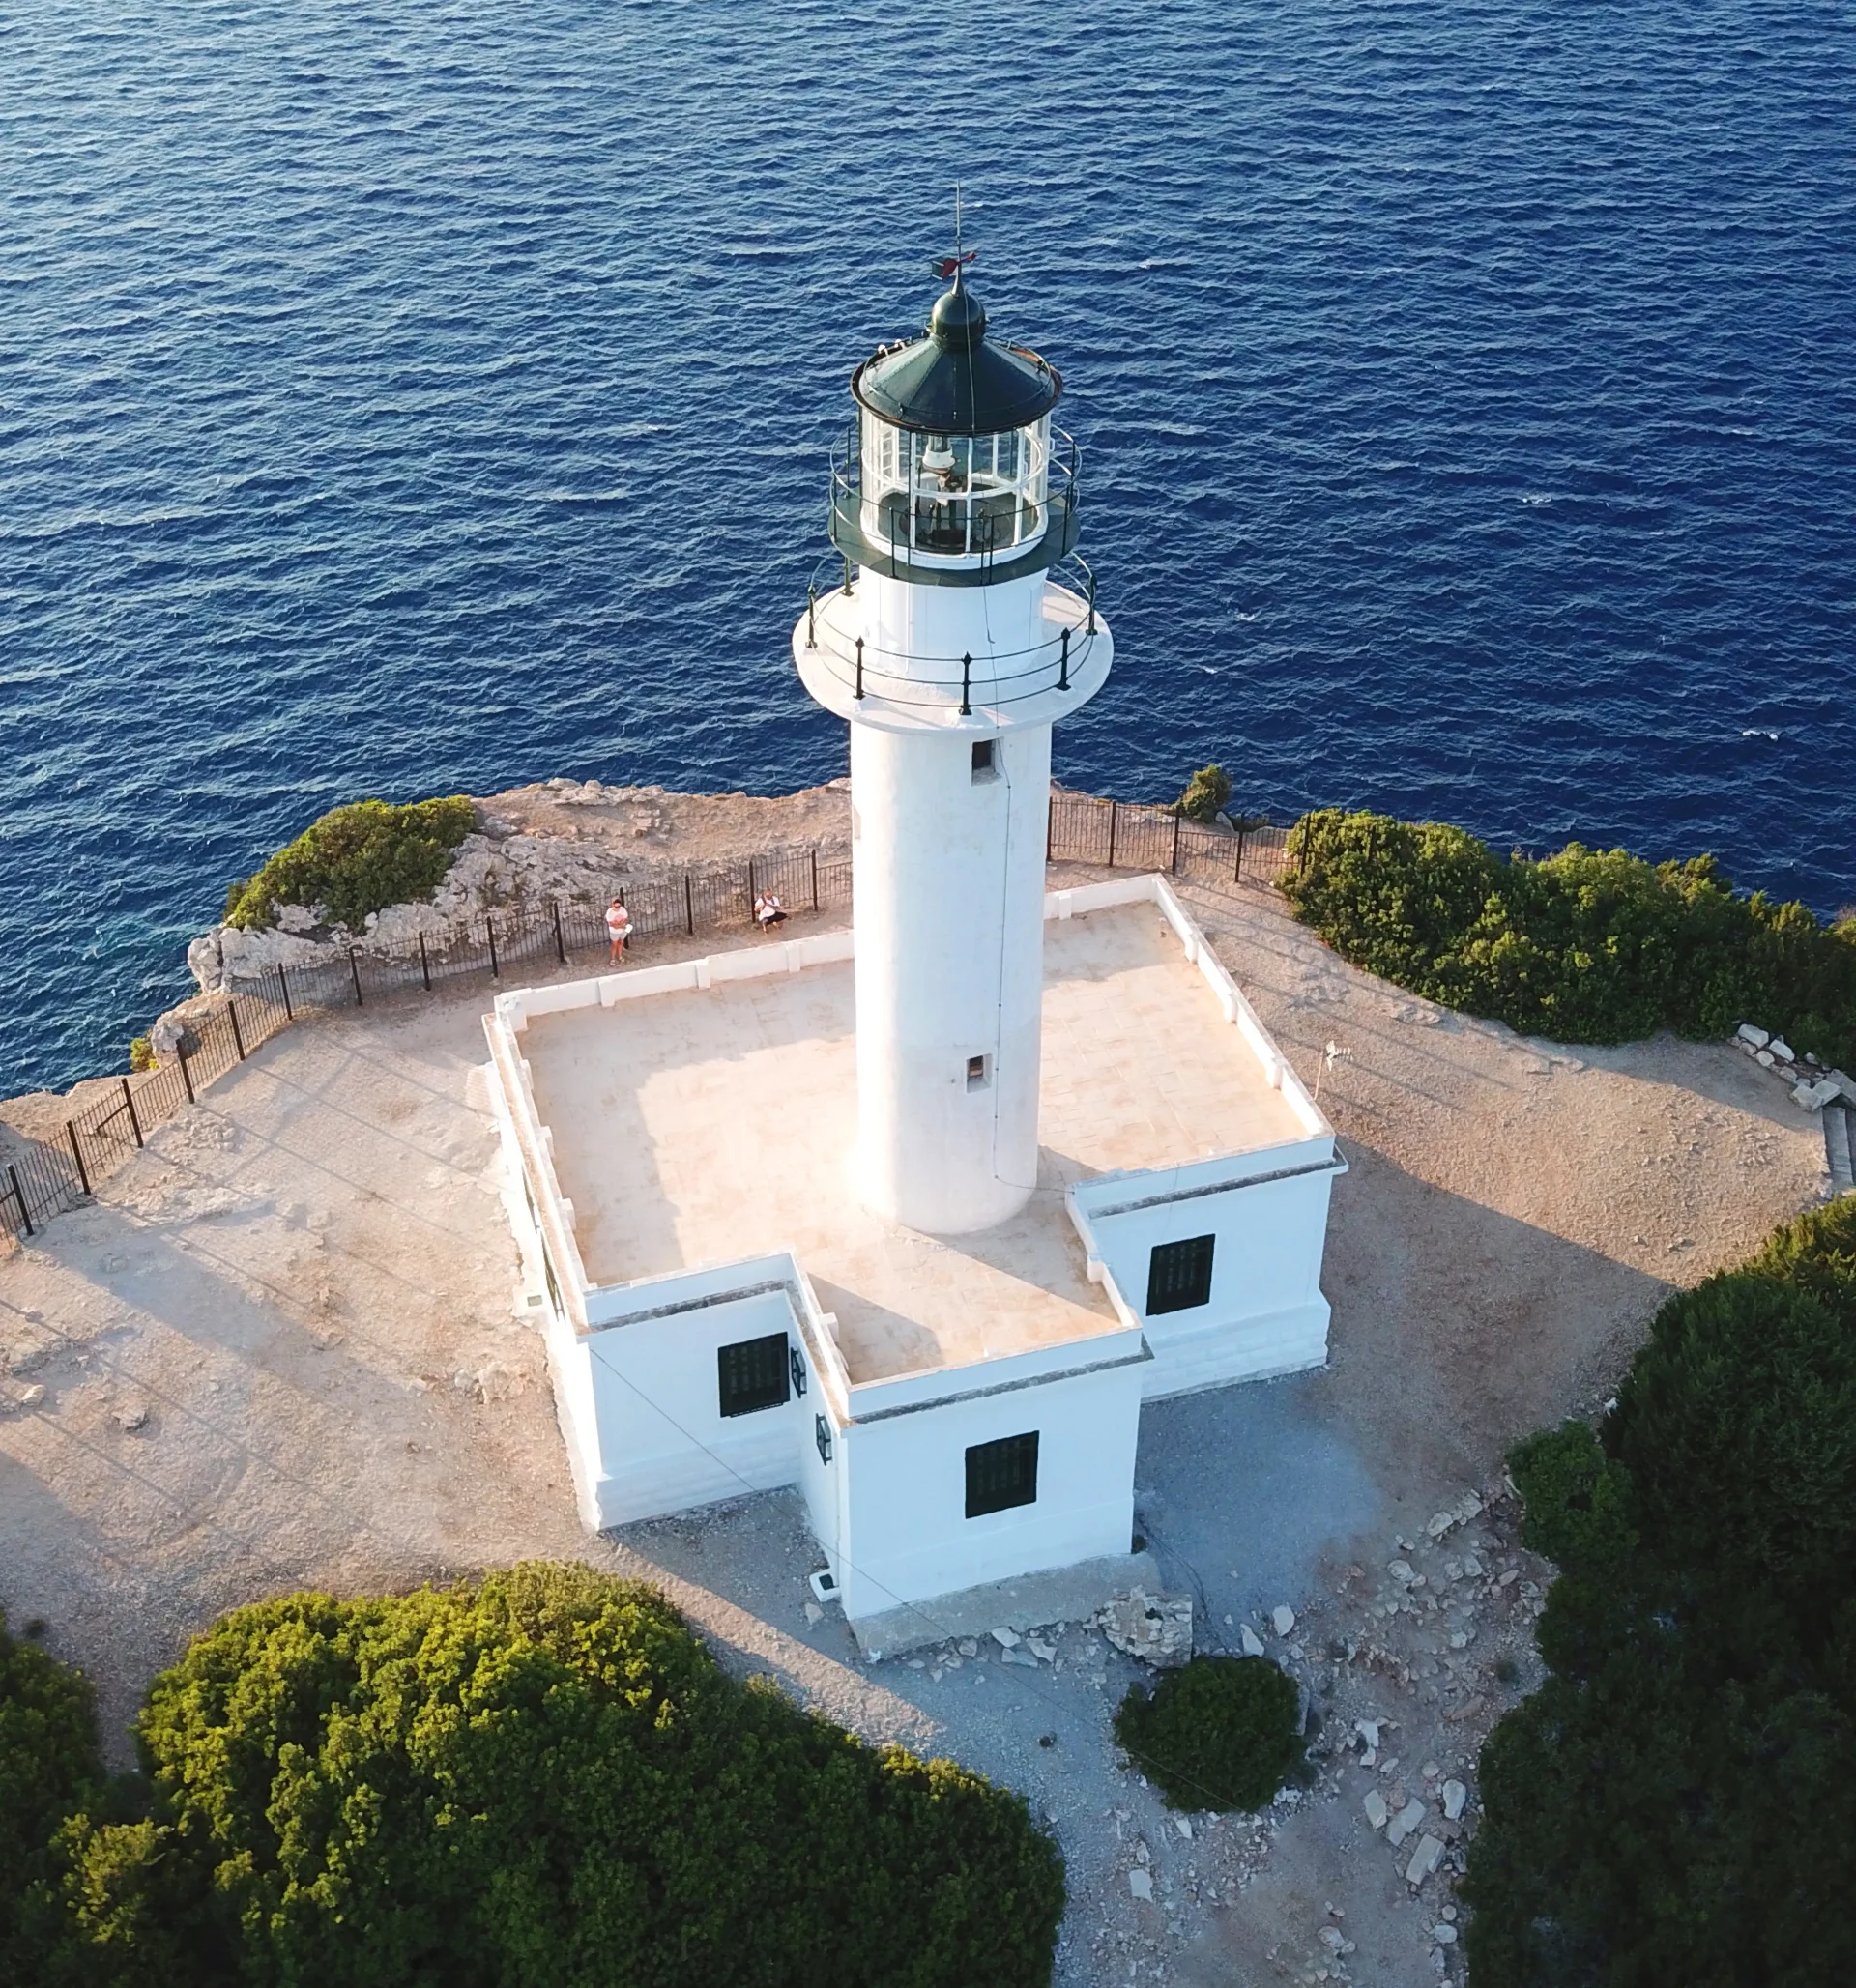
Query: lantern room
(954, 475)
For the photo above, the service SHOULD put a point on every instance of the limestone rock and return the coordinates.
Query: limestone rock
(1157, 1628)
(1140, 1884)
(1284, 1619)
(1253, 1643)
(1454, 1795)
(1377, 1812)
(1425, 1858)
(1753, 1038)
(1781, 1049)
(1814, 1097)
(1405, 1822)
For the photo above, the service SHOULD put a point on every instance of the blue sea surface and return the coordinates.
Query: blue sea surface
(401, 398)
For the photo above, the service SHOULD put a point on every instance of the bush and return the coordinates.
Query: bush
(1589, 945)
(1678, 1802)
(1206, 794)
(49, 1766)
(1222, 1732)
(141, 1055)
(539, 1779)
(355, 860)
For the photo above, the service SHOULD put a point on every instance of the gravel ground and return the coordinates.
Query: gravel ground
(278, 1351)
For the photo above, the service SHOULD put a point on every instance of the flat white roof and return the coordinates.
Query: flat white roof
(710, 1124)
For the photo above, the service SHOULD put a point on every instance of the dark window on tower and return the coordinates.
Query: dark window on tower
(985, 764)
(1000, 1474)
(1179, 1275)
(752, 1374)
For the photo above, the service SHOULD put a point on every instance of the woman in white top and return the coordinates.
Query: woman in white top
(617, 929)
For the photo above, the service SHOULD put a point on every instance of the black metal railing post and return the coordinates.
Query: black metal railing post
(690, 906)
(289, 1013)
(752, 893)
(1111, 835)
(135, 1123)
(238, 1033)
(19, 1195)
(496, 970)
(1237, 875)
(859, 669)
(1173, 866)
(1050, 827)
(1064, 668)
(560, 938)
(77, 1154)
(187, 1076)
(425, 964)
(967, 685)
(1091, 603)
(811, 616)
(815, 876)
(354, 968)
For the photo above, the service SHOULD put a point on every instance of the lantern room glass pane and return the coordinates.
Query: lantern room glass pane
(955, 496)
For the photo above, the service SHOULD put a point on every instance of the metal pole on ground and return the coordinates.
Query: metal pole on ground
(77, 1154)
(1173, 866)
(560, 939)
(187, 1076)
(1111, 835)
(690, 906)
(353, 968)
(289, 1013)
(815, 876)
(496, 972)
(425, 964)
(135, 1123)
(237, 1035)
(1237, 875)
(19, 1195)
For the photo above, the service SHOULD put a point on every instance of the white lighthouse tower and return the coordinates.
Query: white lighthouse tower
(951, 649)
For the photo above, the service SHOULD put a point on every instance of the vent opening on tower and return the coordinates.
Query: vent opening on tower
(979, 1069)
(985, 759)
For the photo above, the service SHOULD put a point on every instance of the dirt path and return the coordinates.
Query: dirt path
(278, 1351)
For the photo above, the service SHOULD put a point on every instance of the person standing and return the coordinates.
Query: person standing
(617, 929)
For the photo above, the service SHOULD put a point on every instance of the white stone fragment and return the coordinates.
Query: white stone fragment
(1781, 1049)
(1141, 1883)
(1377, 1812)
(1765, 1059)
(1253, 1643)
(1756, 1037)
(1444, 1933)
(1006, 1639)
(1284, 1619)
(1405, 1822)
(1425, 1858)
(1183, 1824)
(1454, 1795)
(812, 1612)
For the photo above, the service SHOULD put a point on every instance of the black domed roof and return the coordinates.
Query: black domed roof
(956, 381)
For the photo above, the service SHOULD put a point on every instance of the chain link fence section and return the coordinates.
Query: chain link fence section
(43, 1177)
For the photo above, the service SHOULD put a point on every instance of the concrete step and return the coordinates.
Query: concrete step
(1840, 1147)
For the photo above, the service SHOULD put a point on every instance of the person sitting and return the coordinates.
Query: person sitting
(769, 912)
(617, 929)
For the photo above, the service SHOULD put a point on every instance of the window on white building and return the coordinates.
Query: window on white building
(752, 1374)
(985, 759)
(1000, 1474)
(1179, 1275)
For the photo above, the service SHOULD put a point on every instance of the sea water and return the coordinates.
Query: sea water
(403, 398)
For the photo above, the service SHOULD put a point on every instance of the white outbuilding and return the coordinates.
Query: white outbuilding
(915, 1216)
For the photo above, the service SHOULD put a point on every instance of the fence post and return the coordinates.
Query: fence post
(1237, 875)
(425, 964)
(289, 1013)
(967, 684)
(812, 617)
(19, 1195)
(815, 876)
(187, 1076)
(560, 941)
(1050, 827)
(859, 669)
(77, 1154)
(690, 906)
(489, 926)
(1173, 866)
(135, 1123)
(1063, 672)
(354, 968)
(750, 889)
(1111, 835)
(237, 1035)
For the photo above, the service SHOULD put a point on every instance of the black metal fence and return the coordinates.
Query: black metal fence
(45, 1176)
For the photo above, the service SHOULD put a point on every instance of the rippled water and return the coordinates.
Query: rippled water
(401, 399)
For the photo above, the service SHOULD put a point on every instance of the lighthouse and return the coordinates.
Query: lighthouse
(964, 629)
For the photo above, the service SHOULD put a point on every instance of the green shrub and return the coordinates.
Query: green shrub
(356, 859)
(1678, 1802)
(1590, 945)
(49, 1766)
(141, 1055)
(1221, 1732)
(1206, 794)
(539, 1779)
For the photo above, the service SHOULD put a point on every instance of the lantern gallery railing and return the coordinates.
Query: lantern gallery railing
(943, 683)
